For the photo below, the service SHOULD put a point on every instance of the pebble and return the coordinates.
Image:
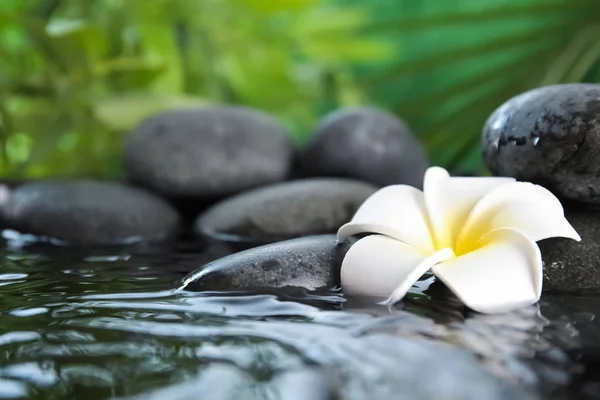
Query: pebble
(285, 210)
(550, 136)
(310, 262)
(208, 153)
(367, 144)
(89, 212)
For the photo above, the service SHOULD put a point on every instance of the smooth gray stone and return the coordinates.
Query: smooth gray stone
(310, 262)
(550, 136)
(571, 266)
(367, 144)
(88, 212)
(285, 210)
(208, 153)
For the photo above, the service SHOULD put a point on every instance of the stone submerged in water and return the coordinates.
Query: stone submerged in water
(208, 153)
(550, 136)
(88, 212)
(366, 144)
(571, 266)
(427, 372)
(285, 210)
(302, 384)
(311, 262)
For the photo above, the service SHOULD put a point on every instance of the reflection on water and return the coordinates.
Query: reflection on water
(109, 324)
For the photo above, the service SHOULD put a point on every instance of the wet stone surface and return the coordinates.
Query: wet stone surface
(310, 262)
(549, 136)
(87, 212)
(574, 266)
(366, 144)
(103, 325)
(286, 210)
(207, 153)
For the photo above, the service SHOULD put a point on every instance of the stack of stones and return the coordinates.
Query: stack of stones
(224, 173)
(232, 174)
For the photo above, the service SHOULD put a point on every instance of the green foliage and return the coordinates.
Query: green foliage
(76, 75)
(462, 59)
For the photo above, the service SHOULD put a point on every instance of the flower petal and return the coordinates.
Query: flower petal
(376, 265)
(529, 208)
(450, 200)
(397, 211)
(503, 274)
(425, 265)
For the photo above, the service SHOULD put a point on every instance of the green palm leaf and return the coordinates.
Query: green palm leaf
(457, 66)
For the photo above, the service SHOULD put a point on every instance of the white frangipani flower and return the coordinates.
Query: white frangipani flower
(477, 235)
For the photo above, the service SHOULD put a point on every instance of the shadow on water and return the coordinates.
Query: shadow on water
(108, 324)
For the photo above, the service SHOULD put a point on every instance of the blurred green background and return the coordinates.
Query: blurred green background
(76, 75)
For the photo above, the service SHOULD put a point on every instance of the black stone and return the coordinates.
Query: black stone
(87, 212)
(312, 262)
(550, 136)
(208, 153)
(571, 266)
(367, 144)
(285, 210)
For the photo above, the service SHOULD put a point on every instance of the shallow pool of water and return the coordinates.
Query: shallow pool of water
(104, 324)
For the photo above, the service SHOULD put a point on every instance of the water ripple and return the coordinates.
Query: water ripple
(105, 325)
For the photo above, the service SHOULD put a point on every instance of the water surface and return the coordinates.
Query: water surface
(104, 324)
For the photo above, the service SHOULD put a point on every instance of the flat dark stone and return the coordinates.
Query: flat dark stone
(208, 153)
(87, 212)
(550, 136)
(571, 266)
(367, 144)
(311, 262)
(285, 210)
